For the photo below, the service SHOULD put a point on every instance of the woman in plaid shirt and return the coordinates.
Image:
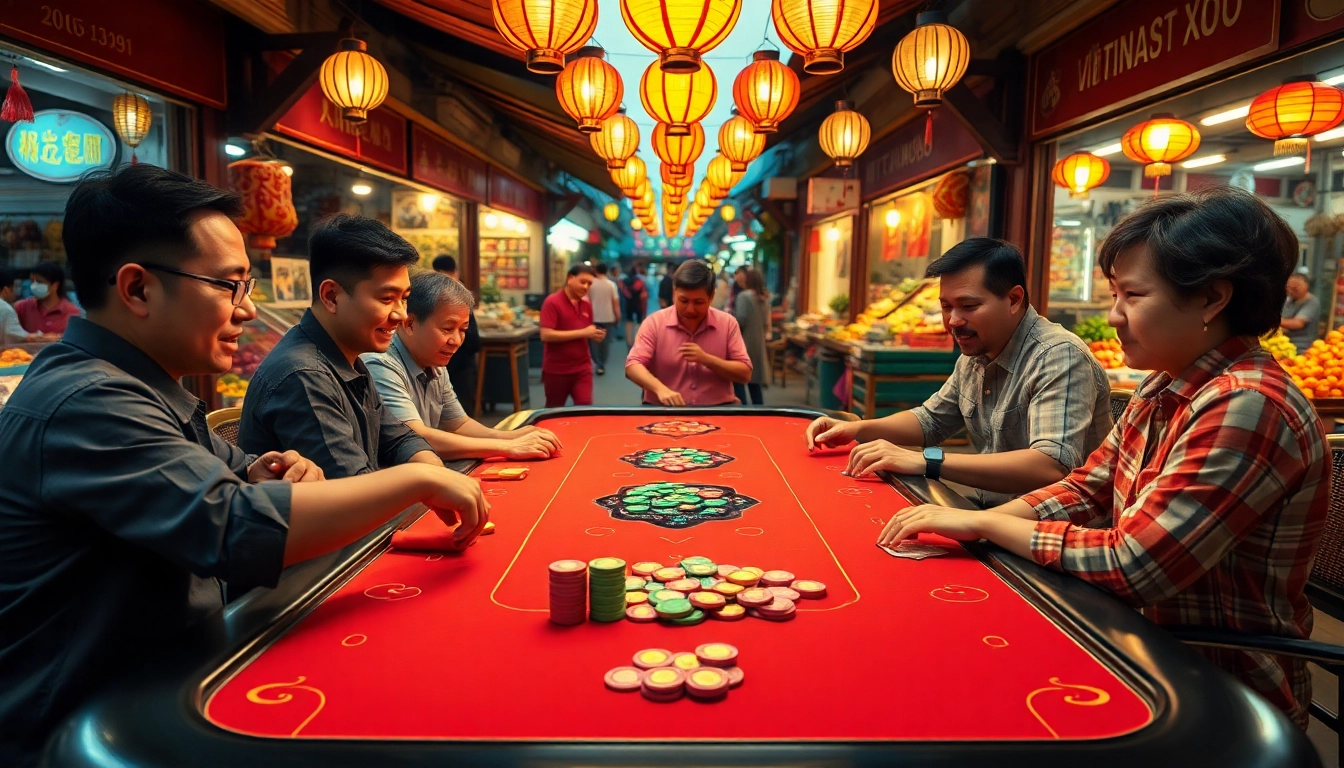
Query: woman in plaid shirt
(1205, 505)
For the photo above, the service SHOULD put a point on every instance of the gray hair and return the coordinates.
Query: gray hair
(431, 290)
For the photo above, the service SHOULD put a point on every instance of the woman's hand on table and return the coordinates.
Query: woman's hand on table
(956, 524)
(288, 466)
(882, 455)
(826, 432)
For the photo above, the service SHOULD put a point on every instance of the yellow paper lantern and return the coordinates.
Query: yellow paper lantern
(616, 139)
(739, 142)
(766, 91)
(673, 195)
(822, 30)
(703, 199)
(720, 174)
(131, 117)
(611, 211)
(353, 80)
(844, 135)
(680, 31)
(268, 201)
(546, 29)
(640, 190)
(678, 151)
(1080, 172)
(678, 99)
(930, 59)
(589, 89)
(1290, 113)
(636, 224)
(727, 213)
(676, 175)
(1159, 142)
(628, 176)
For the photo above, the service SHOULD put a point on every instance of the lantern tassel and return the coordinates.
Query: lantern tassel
(928, 130)
(18, 108)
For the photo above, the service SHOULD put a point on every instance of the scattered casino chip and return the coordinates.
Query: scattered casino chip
(674, 609)
(684, 585)
(707, 684)
(636, 598)
(708, 601)
(652, 657)
(724, 570)
(645, 570)
(675, 505)
(753, 569)
(666, 575)
(777, 579)
(663, 684)
(624, 679)
(716, 654)
(785, 592)
(641, 614)
(634, 584)
(677, 460)
(744, 578)
(707, 674)
(677, 429)
(735, 676)
(662, 595)
(755, 597)
(696, 616)
(685, 660)
(809, 589)
(729, 589)
(729, 612)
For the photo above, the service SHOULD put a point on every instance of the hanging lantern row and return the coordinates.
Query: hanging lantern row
(822, 30)
(353, 80)
(546, 30)
(611, 211)
(680, 31)
(929, 61)
(678, 151)
(1158, 142)
(628, 176)
(678, 99)
(844, 134)
(616, 139)
(589, 89)
(1293, 112)
(766, 91)
(1081, 172)
(727, 212)
(739, 141)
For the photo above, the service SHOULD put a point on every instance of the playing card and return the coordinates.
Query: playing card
(914, 550)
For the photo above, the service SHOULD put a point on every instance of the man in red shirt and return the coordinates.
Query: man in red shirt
(566, 327)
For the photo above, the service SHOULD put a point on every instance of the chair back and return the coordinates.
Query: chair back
(1119, 402)
(1328, 568)
(224, 423)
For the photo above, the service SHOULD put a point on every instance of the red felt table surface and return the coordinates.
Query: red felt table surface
(459, 647)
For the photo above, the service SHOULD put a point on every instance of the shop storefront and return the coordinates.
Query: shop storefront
(513, 241)
(1148, 61)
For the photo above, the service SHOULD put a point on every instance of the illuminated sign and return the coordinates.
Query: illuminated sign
(60, 146)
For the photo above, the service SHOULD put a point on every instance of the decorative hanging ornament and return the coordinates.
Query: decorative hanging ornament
(628, 176)
(589, 89)
(17, 108)
(636, 224)
(1293, 112)
(1080, 172)
(928, 61)
(678, 99)
(641, 188)
(676, 175)
(727, 212)
(680, 31)
(131, 117)
(678, 151)
(766, 91)
(1159, 142)
(546, 29)
(844, 134)
(611, 211)
(951, 195)
(673, 195)
(616, 139)
(353, 80)
(822, 30)
(720, 174)
(739, 141)
(268, 200)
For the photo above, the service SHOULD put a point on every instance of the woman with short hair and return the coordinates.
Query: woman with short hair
(1205, 505)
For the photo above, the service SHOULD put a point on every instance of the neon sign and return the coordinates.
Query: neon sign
(60, 146)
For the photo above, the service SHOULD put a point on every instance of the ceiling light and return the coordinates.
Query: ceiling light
(1068, 223)
(521, 227)
(1286, 162)
(1227, 115)
(833, 234)
(1332, 134)
(360, 188)
(893, 218)
(45, 65)
(1200, 162)
(491, 221)
(233, 150)
(1109, 149)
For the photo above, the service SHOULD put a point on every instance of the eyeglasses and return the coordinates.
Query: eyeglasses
(241, 288)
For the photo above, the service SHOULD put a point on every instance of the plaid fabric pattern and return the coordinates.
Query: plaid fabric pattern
(1204, 507)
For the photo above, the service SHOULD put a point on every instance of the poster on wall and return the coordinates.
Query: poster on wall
(429, 222)
(977, 215)
(290, 283)
(909, 238)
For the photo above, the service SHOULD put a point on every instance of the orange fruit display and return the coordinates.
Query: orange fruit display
(1108, 353)
(1318, 370)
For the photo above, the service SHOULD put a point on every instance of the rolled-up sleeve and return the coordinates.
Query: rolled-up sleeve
(641, 351)
(391, 386)
(397, 443)
(152, 487)
(1063, 405)
(940, 416)
(737, 348)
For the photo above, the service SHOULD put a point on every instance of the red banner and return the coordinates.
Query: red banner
(381, 141)
(512, 195)
(902, 159)
(1307, 20)
(1139, 48)
(442, 165)
(169, 45)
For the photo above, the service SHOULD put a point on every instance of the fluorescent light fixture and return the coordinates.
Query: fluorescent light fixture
(1068, 223)
(1200, 162)
(360, 188)
(1332, 134)
(45, 65)
(1227, 115)
(233, 150)
(1286, 162)
(1109, 149)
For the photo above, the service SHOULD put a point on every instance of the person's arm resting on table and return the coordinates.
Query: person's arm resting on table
(930, 424)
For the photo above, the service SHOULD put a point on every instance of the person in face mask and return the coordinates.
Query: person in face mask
(48, 310)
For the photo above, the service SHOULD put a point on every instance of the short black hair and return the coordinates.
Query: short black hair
(694, 275)
(445, 264)
(1305, 278)
(348, 249)
(1215, 233)
(111, 216)
(1003, 263)
(601, 268)
(580, 269)
(431, 290)
(52, 273)
(7, 277)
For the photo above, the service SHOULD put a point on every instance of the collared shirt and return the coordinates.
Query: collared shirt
(35, 319)
(602, 295)
(655, 348)
(1204, 507)
(118, 511)
(1044, 391)
(10, 328)
(410, 392)
(307, 397)
(1309, 309)
(559, 313)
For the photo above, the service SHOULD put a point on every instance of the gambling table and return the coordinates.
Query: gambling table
(379, 656)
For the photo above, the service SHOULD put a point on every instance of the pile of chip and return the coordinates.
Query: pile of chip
(663, 676)
(606, 589)
(678, 459)
(569, 592)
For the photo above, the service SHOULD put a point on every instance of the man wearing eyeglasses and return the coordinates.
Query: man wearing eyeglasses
(120, 513)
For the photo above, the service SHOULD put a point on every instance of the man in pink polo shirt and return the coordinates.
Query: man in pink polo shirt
(566, 327)
(689, 353)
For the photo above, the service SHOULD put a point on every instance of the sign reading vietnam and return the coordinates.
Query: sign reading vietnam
(60, 146)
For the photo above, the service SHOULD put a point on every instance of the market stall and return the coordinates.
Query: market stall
(501, 376)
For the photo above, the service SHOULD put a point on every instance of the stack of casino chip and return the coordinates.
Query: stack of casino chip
(569, 588)
(606, 589)
(663, 676)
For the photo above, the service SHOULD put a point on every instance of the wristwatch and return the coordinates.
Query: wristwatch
(933, 462)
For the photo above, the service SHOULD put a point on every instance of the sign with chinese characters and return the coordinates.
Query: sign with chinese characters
(512, 195)
(60, 146)
(444, 166)
(902, 158)
(1141, 48)
(380, 141)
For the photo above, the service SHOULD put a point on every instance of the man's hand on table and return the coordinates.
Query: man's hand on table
(669, 397)
(826, 432)
(879, 454)
(288, 466)
(956, 524)
(458, 501)
(533, 445)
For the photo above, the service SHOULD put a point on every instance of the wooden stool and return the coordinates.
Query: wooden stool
(775, 350)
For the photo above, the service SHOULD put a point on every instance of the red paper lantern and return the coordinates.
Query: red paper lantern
(1290, 113)
(952, 195)
(268, 201)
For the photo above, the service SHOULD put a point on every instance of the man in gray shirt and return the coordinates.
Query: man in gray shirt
(1301, 313)
(415, 388)
(1029, 393)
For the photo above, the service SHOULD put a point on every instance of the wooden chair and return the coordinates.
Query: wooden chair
(778, 365)
(1119, 402)
(1325, 588)
(224, 423)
